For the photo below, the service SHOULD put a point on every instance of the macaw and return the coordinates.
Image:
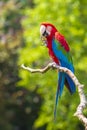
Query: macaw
(59, 51)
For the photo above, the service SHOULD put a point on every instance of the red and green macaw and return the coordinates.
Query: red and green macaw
(59, 51)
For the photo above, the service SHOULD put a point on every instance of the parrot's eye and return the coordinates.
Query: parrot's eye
(45, 34)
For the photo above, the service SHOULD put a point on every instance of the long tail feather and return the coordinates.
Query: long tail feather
(71, 85)
(57, 99)
(60, 87)
(63, 79)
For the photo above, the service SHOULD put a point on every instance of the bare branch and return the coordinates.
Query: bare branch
(45, 69)
(83, 101)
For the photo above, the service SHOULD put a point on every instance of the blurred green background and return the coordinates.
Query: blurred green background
(27, 100)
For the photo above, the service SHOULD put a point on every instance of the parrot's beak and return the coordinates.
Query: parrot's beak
(44, 40)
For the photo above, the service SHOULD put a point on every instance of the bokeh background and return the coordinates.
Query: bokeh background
(27, 100)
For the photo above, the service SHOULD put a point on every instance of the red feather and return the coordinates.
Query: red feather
(62, 41)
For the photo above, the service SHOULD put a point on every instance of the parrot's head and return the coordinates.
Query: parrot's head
(47, 32)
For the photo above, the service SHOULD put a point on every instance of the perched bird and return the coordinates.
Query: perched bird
(59, 51)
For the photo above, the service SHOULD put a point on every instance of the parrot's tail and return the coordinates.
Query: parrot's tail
(70, 84)
(63, 79)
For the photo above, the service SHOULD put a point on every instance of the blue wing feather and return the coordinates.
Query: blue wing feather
(63, 58)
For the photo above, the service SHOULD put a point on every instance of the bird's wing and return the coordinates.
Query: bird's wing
(62, 51)
(60, 38)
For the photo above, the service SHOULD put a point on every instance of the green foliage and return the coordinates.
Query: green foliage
(17, 105)
(27, 100)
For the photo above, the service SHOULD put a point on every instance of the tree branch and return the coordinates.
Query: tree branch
(83, 101)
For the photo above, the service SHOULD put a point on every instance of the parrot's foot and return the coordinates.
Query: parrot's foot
(53, 65)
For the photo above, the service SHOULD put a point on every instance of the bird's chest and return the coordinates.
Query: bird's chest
(51, 53)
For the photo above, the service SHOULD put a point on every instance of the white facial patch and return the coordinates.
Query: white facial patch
(42, 29)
